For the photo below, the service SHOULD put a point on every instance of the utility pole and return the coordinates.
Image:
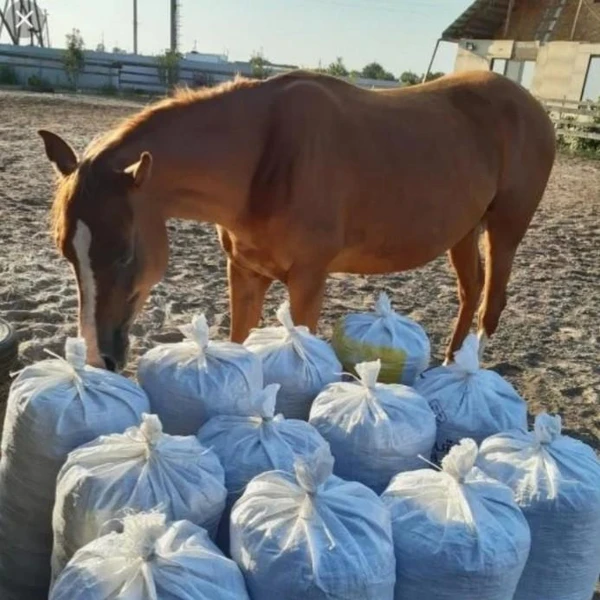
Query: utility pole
(174, 25)
(135, 28)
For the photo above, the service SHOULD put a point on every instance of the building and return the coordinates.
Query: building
(552, 47)
(206, 57)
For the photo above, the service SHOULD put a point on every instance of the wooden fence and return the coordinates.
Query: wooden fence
(574, 119)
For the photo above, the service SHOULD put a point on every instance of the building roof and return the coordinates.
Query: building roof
(480, 21)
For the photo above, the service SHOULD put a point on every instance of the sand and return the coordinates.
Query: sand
(548, 343)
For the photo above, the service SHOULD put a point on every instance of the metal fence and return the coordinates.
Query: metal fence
(127, 72)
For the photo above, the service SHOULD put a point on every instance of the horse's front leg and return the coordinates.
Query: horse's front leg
(247, 291)
(306, 286)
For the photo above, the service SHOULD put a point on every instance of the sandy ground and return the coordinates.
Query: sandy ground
(547, 344)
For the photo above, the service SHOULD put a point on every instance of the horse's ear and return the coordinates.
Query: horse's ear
(60, 153)
(140, 171)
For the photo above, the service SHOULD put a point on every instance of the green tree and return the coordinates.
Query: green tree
(168, 67)
(260, 66)
(73, 57)
(337, 68)
(375, 71)
(410, 78)
(435, 75)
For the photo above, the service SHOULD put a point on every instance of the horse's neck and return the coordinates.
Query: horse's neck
(204, 159)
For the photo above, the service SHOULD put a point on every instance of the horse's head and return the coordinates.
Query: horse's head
(103, 224)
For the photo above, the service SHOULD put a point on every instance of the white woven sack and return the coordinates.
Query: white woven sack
(151, 560)
(53, 407)
(469, 401)
(375, 430)
(139, 470)
(191, 381)
(401, 343)
(254, 442)
(458, 534)
(309, 535)
(297, 360)
(556, 482)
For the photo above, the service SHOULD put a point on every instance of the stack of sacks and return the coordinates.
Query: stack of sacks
(191, 381)
(151, 560)
(458, 534)
(253, 442)
(375, 430)
(138, 470)
(300, 362)
(469, 401)
(556, 482)
(53, 407)
(309, 535)
(400, 343)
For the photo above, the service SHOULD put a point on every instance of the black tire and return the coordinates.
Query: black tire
(9, 350)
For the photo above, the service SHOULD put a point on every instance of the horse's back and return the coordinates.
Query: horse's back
(500, 107)
(358, 166)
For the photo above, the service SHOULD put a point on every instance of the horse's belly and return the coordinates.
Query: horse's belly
(368, 261)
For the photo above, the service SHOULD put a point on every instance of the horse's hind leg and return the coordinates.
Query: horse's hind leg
(506, 224)
(466, 261)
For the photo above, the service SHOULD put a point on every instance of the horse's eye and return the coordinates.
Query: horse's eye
(124, 260)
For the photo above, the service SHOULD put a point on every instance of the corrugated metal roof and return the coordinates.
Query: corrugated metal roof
(480, 21)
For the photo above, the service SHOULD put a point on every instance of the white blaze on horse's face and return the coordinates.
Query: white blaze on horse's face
(82, 242)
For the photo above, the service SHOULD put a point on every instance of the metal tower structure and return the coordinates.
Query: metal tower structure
(25, 20)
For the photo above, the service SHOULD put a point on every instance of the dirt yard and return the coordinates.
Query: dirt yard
(547, 344)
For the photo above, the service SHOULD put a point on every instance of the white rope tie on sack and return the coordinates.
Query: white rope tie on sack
(311, 473)
(547, 428)
(466, 359)
(74, 361)
(383, 306)
(152, 430)
(265, 401)
(198, 332)
(284, 316)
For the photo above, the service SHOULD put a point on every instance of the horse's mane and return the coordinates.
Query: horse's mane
(182, 97)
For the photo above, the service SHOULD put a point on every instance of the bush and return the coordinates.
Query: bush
(39, 84)
(201, 79)
(260, 66)
(109, 90)
(168, 67)
(8, 75)
(574, 144)
(73, 58)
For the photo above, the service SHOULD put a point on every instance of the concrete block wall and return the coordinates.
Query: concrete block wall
(560, 67)
(480, 58)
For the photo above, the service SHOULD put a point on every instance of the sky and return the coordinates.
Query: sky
(399, 34)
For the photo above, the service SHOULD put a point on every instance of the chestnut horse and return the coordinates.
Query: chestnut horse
(304, 175)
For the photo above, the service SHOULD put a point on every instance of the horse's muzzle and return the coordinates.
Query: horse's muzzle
(114, 349)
